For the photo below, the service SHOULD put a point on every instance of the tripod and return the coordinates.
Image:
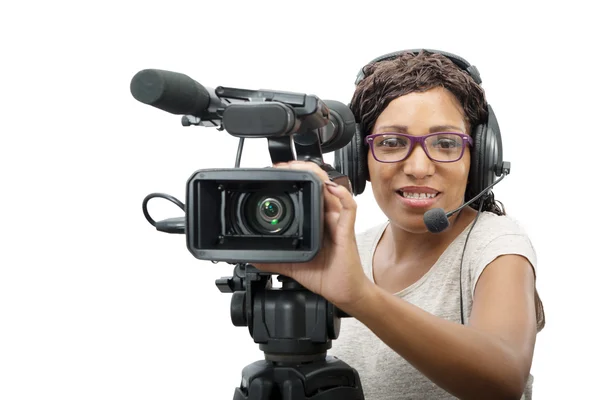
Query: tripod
(294, 328)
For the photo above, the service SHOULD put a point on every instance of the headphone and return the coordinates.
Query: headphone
(486, 153)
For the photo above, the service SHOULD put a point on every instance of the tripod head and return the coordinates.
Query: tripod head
(290, 323)
(294, 328)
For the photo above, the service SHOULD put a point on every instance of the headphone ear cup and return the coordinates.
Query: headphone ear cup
(486, 158)
(493, 150)
(476, 172)
(362, 168)
(351, 160)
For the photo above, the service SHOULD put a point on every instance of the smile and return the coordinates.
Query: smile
(418, 197)
(414, 195)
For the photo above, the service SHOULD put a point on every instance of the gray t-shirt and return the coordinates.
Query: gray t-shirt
(384, 374)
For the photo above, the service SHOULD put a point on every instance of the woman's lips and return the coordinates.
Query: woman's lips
(418, 197)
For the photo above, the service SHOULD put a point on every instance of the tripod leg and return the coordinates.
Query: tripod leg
(262, 389)
(259, 389)
(330, 379)
(292, 390)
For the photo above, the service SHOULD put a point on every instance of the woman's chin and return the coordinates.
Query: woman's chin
(410, 223)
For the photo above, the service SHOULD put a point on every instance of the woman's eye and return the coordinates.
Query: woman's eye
(446, 144)
(393, 142)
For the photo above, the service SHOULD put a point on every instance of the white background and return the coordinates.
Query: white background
(96, 304)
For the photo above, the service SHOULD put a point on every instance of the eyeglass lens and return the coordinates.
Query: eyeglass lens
(443, 147)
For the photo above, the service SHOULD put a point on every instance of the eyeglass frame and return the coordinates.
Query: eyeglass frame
(420, 140)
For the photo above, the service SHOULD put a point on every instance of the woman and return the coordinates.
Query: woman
(435, 316)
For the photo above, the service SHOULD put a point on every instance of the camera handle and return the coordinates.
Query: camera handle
(307, 146)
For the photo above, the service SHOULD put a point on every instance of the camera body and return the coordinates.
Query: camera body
(256, 215)
(245, 215)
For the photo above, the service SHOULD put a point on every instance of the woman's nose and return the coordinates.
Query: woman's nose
(418, 164)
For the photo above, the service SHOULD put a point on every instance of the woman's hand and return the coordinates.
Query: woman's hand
(336, 272)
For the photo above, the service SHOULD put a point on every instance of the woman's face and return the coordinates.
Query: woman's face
(397, 187)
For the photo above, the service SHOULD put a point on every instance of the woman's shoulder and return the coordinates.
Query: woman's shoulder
(490, 226)
(494, 235)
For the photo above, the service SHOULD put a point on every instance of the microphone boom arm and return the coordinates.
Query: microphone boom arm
(505, 171)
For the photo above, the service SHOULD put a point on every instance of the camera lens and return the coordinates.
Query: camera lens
(271, 210)
(267, 213)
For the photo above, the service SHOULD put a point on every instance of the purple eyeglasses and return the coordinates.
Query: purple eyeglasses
(440, 146)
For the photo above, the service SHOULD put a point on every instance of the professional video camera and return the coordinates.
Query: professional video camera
(250, 215)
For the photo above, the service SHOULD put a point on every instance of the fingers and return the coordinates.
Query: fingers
(275, 268)
(304, 165)
(331, 202)
(347, 214)
(340, 206)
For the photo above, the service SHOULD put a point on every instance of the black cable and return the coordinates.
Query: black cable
(462, 318)
(164, 196)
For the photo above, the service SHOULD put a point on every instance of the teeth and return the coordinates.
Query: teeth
(409, 195)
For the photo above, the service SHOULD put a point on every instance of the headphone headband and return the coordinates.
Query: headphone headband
(458, 61)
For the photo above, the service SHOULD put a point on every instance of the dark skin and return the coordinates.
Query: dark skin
(488, 358)
(393, 274)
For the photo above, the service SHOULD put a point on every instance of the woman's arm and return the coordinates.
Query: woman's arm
(489, 358)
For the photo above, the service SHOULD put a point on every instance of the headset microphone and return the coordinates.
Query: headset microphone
(436, 219)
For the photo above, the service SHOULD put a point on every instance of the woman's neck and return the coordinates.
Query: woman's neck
(405, 245)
